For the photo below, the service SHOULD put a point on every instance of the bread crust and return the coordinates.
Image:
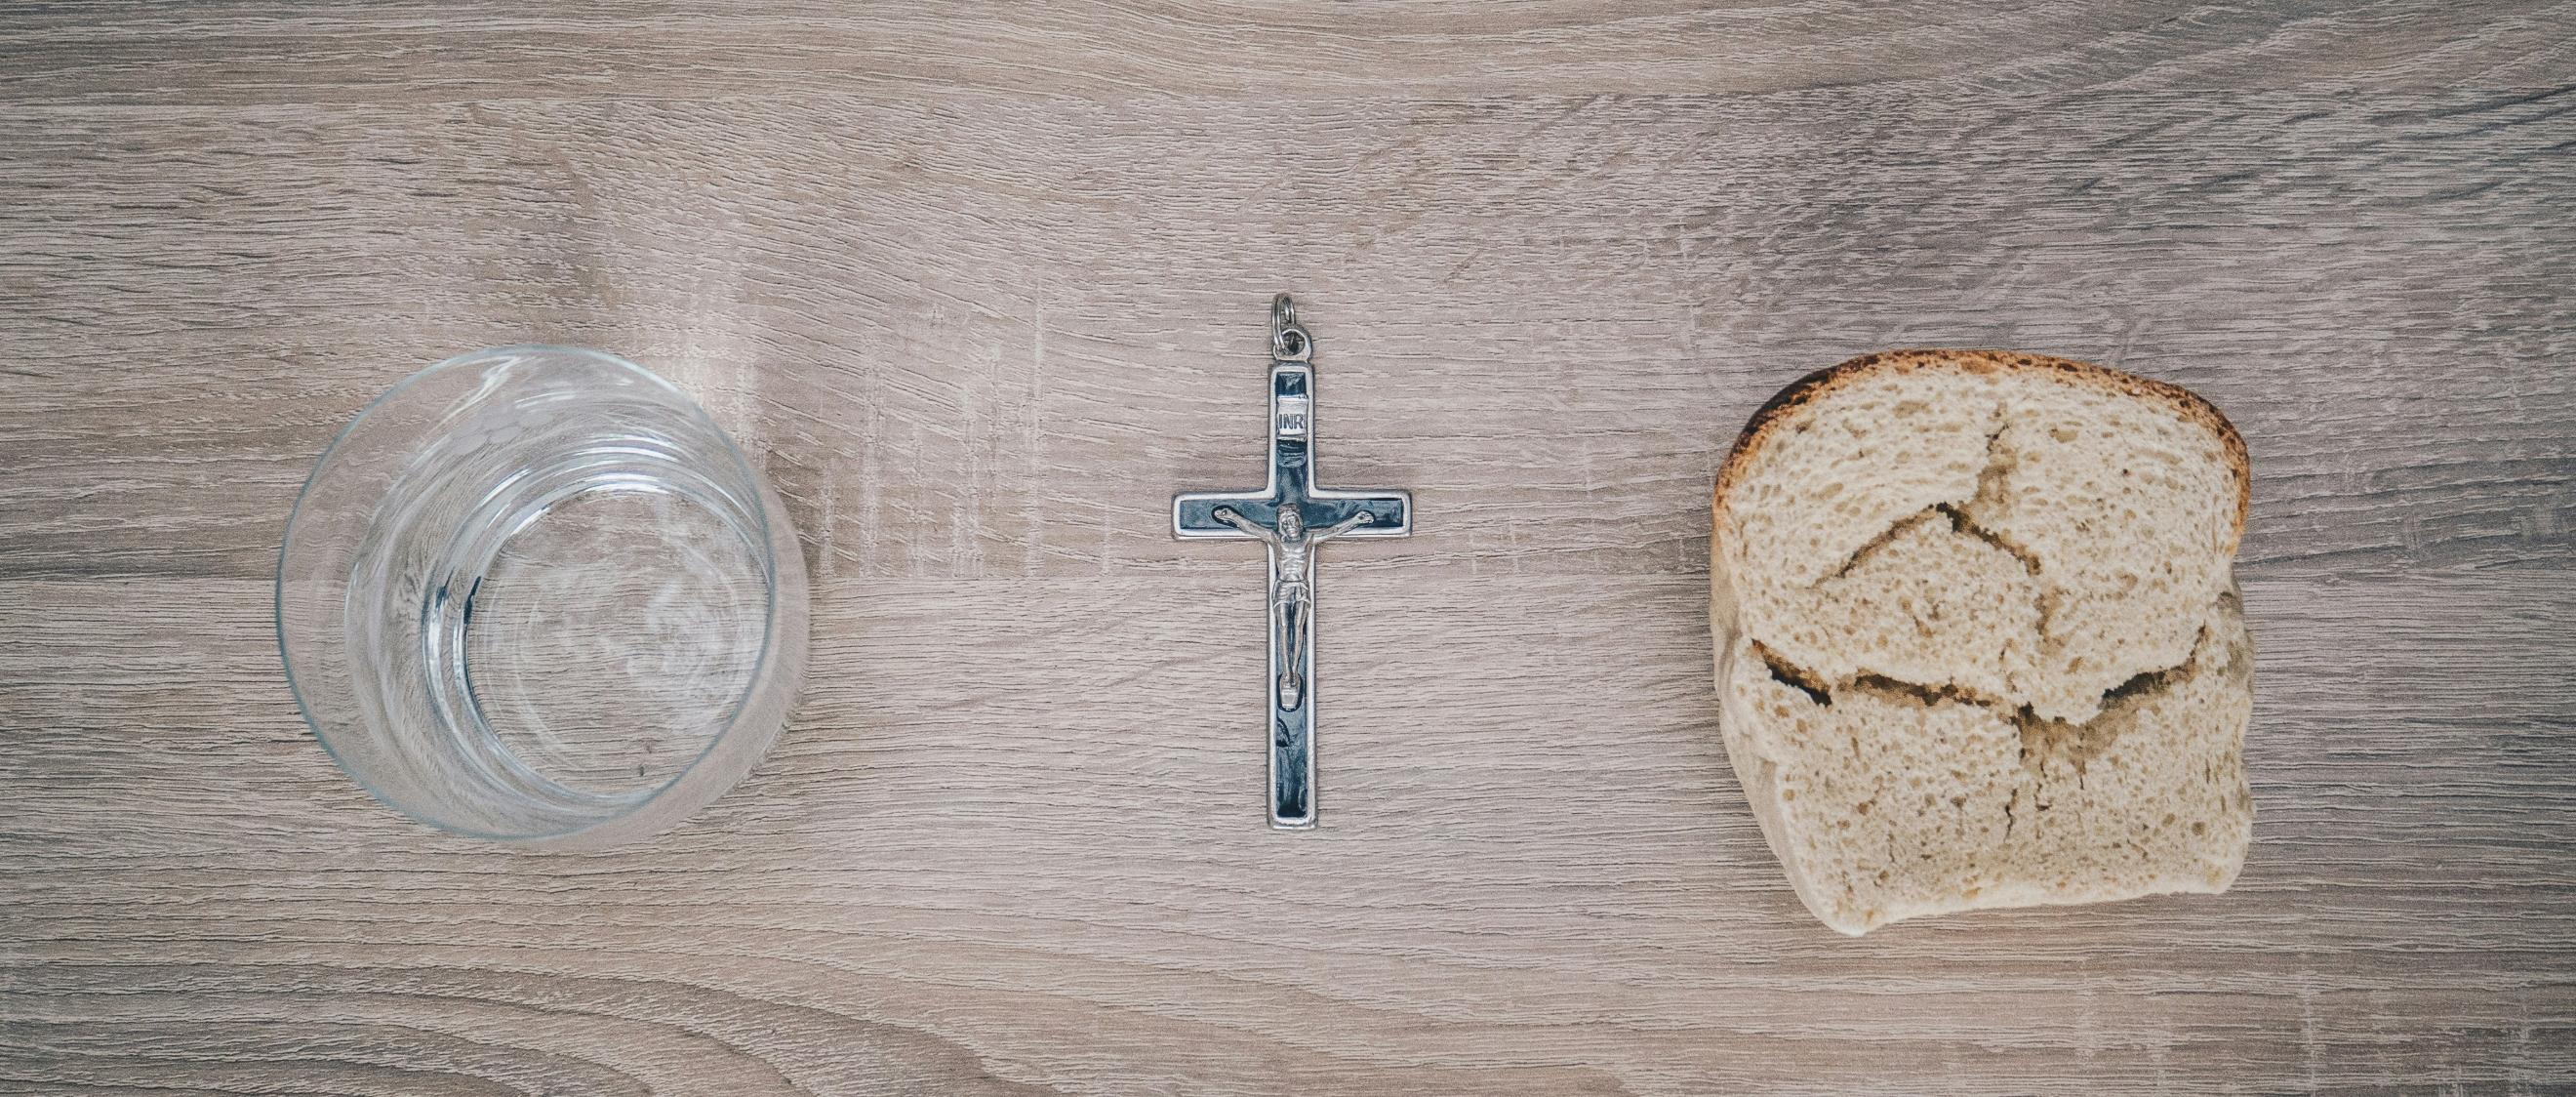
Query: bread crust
(1782, 408)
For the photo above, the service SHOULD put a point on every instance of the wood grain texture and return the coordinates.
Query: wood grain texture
(983, 285)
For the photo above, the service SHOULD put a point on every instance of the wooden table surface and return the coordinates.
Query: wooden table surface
(983, 284)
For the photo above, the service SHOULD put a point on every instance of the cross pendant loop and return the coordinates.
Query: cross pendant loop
(1288, 340)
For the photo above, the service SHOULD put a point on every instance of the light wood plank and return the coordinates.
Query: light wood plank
(982, 286)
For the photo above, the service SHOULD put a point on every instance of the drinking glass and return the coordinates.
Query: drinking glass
(536, 595)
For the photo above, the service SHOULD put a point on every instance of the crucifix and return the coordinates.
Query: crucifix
(1291, 517)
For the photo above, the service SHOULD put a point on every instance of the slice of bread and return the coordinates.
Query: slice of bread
(1978, 635)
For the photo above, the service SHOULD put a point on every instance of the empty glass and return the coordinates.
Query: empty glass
(536, 595)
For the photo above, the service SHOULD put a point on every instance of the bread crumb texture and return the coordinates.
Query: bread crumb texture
(1979, 639)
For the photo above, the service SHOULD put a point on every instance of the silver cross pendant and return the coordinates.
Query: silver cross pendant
(1292, 517)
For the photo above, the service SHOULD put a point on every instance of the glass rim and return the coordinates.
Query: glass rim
(761, 663)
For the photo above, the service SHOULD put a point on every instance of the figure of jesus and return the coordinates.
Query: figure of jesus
(1292, 597)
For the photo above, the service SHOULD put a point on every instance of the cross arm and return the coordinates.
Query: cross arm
(1390, 512)
(1194, 513)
